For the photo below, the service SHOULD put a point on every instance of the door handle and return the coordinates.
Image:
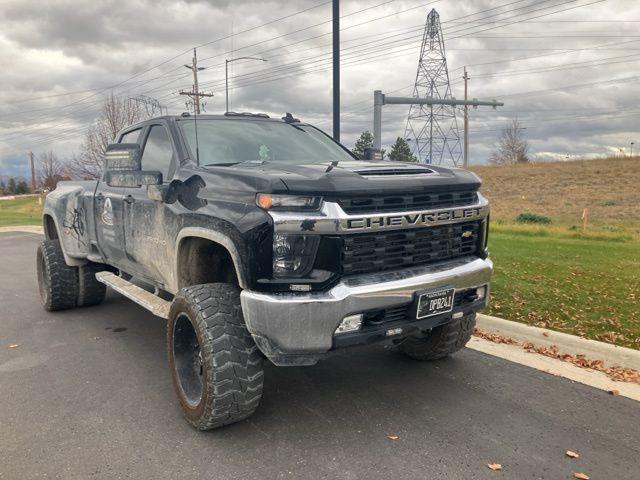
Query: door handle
(129, 199)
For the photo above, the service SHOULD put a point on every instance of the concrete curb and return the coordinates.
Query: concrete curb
(23, 229)
(610, 354)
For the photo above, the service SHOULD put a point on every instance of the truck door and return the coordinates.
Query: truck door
(109, 215)
(147, 241)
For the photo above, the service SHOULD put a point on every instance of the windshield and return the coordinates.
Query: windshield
(222, 141)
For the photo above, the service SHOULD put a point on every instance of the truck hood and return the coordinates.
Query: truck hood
(362, 177)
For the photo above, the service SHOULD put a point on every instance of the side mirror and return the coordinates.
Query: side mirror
(372, 154)
(122, 178)
(124, 167)
(123, 156)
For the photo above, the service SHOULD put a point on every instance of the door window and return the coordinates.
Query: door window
(131, 137)
(158, 151)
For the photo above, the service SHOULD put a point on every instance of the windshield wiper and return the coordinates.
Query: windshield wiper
(230, 164)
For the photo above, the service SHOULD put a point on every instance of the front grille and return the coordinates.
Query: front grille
(379, 251)
(404, 203)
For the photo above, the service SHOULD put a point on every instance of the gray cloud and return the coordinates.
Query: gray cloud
(53, 48)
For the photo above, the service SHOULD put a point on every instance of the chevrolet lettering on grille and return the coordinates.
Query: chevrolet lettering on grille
(415, 219)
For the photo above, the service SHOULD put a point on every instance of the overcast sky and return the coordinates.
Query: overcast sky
(572, 77)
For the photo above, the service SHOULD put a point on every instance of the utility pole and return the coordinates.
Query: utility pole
(336, 70)
(465, 160)
(33, 173)
(195, 94)
(631, 149)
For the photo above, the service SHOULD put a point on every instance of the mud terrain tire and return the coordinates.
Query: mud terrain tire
(215, 365)
(57, 281)
(90, 291)
(441, 341)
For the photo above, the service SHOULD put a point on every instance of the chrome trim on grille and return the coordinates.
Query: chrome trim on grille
(332, 219)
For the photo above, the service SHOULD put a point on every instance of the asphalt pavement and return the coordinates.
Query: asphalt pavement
(87, 394)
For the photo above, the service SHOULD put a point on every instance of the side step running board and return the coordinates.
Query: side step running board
(148, 300)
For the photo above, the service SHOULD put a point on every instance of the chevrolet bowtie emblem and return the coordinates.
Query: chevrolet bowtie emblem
(467, 234)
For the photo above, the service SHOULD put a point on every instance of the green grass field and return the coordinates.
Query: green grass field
(587, 285)
(21, 211)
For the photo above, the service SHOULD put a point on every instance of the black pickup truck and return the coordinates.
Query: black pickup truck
(258, 237)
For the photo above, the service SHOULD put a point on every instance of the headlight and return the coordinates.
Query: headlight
(293, 255)
(267, 201)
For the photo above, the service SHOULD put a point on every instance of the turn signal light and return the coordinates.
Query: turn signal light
(264, 200)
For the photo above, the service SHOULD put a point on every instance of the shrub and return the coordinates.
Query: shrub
(607, 203)
(528, 217)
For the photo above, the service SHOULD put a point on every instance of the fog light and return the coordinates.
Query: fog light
(350, 323)
(394, 331)
(481, 292)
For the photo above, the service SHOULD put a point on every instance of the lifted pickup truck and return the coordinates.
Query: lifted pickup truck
(256, 237)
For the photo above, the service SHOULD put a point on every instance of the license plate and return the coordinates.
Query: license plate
(435, 303)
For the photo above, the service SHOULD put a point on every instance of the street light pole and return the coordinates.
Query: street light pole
(632, 149)
(226, 75)
(336, 69)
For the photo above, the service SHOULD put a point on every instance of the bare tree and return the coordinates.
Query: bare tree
(116, 114)
(513, 148)
(50, 171)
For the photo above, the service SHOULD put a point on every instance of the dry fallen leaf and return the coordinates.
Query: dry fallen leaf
(494, 466)
(393, 437)
(546, 334)
(571, 454)
(581, 476)
(14, 345)
(614, 392)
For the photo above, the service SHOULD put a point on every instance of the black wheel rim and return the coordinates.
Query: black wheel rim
(187, 359)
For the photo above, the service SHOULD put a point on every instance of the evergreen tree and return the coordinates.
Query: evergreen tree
(11, 188)
(365, 141)
(401, 152)
(3, 187)
(22, 188)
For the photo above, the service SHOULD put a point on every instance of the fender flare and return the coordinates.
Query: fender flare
(71, 261)
(216, 237)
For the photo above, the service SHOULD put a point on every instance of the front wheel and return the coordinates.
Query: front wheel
(215, 365)
(440, 341)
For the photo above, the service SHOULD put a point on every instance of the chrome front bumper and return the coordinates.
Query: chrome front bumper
(296, 329)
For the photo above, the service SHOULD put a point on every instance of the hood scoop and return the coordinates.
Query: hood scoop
(394, 171)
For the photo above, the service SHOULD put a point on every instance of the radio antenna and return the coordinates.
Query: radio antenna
(195, 122)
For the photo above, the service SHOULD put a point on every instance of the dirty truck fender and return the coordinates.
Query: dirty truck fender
(68, 216)
(219, 238)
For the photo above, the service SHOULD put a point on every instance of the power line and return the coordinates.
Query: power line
(265, 73)
(109, 87)
(357, 61)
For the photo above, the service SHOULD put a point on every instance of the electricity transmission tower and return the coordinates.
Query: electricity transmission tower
(151, 106)
(432, 130)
